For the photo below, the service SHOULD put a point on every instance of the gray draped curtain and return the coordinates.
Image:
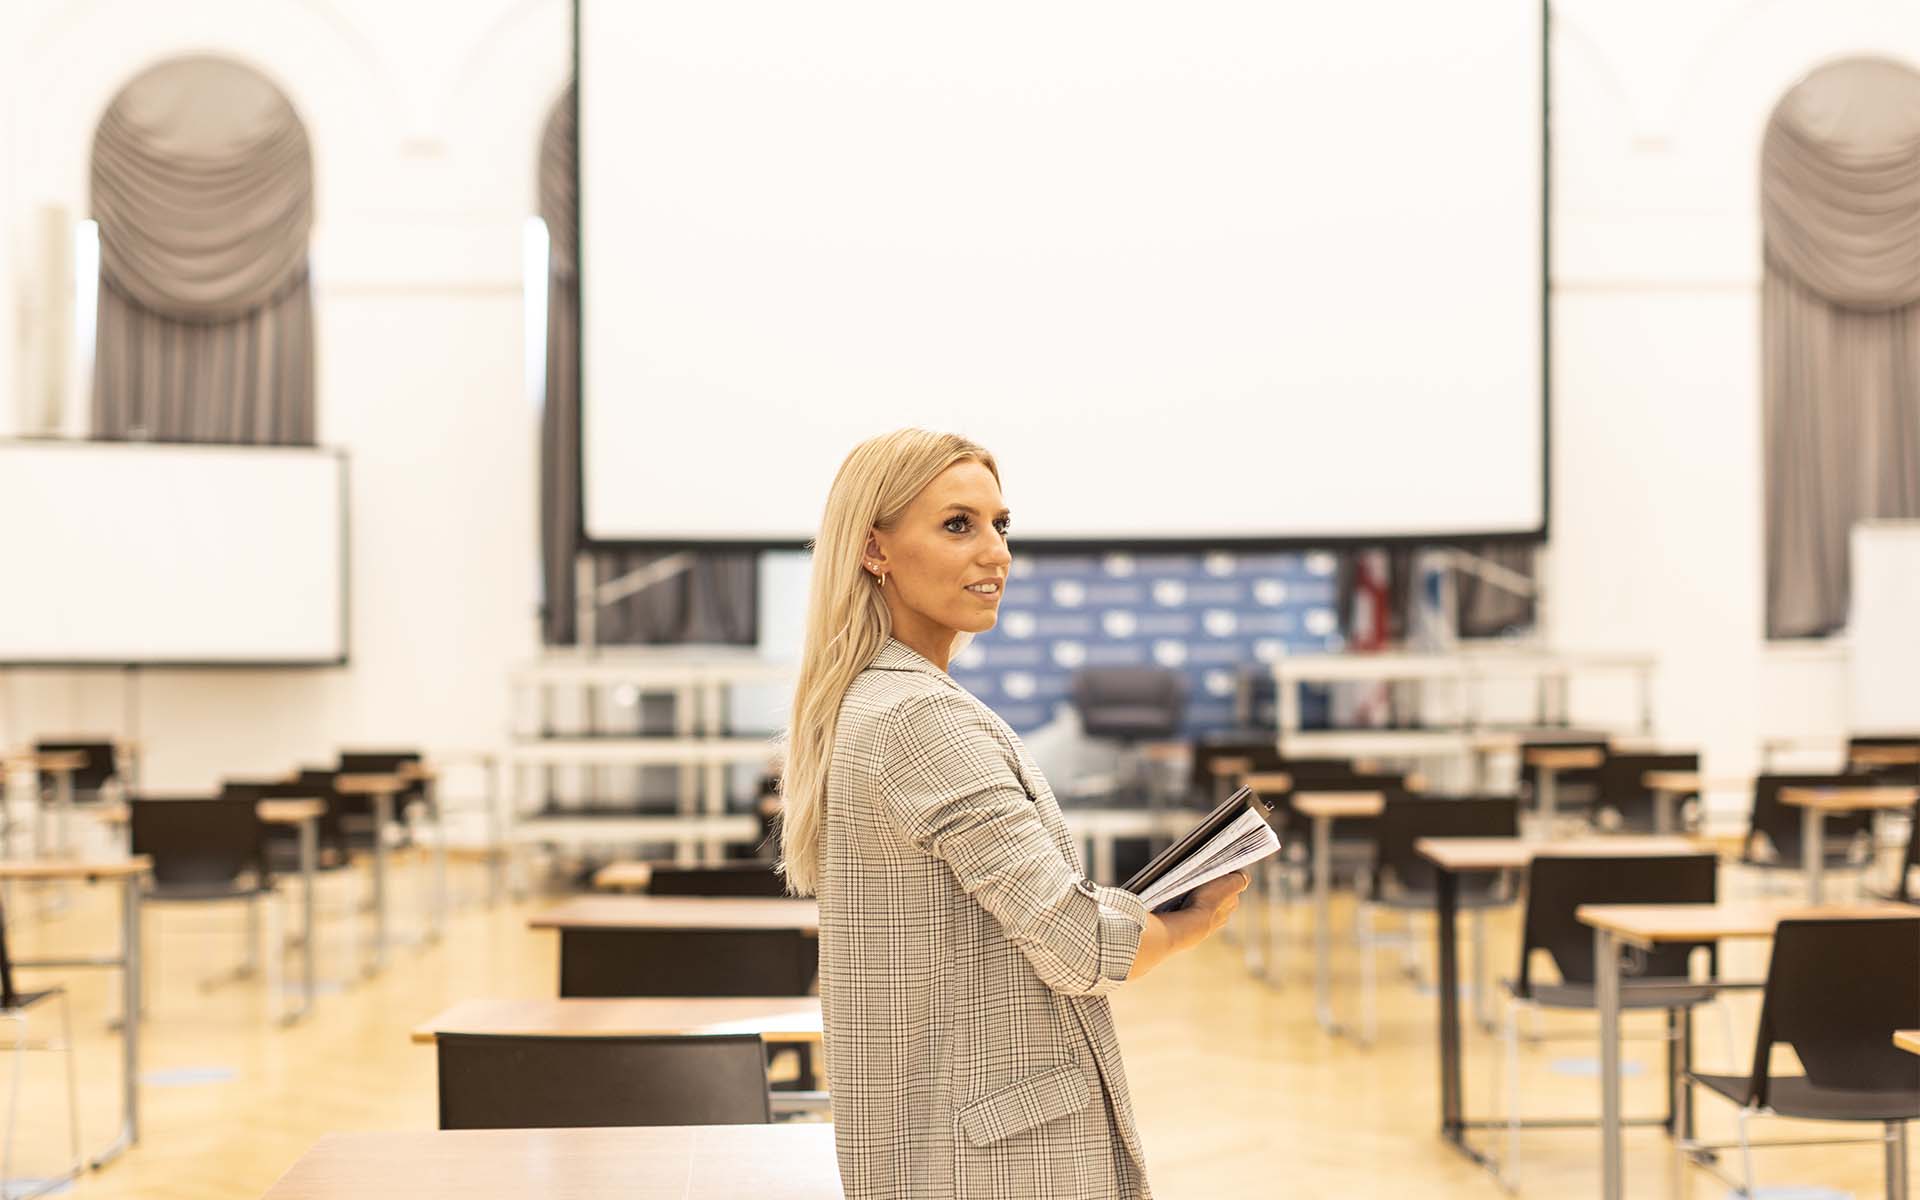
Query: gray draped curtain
(717, 599)
(1840, 203)
(203, 189)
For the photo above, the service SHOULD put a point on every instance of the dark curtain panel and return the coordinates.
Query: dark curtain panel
(717, 598)
(1840, 204)
(202, 184)
(1486, 609)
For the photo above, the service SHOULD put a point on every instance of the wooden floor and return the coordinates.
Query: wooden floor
(1238, 1092)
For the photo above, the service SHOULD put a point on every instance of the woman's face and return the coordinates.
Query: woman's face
(946, 560)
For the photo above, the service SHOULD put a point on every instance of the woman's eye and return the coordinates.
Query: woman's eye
(1003, 525)
(952, 521)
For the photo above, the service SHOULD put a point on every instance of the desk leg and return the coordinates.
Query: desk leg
(1446, 909)
(1663, 811)
(1272, 926)
(1549, 801)
(1813, 851)
(712, 849)
(309, 855)
(1606, 974)
(382, 817)
(1103, 859)
(1323, 923)
(129, 1023)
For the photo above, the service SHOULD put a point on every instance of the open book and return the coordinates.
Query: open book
(1236, 834)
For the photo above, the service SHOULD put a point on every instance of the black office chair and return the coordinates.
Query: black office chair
(1624, 802)
(723, 879)
(1557, 886)
(534, 1082)
(1401, 879)
(15, 1005)
(1774, 842)
(1129, 705)
(205, 850)
(1836, 992)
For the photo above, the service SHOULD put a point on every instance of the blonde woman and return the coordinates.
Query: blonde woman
(964, 956)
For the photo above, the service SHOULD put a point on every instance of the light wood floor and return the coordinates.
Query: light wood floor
(1238, 1092)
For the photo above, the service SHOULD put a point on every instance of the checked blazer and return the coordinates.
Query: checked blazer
(964, 960)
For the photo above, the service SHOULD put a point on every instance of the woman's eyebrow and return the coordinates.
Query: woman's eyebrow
(973, 512)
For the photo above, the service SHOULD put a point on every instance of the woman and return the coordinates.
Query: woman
(964, 956)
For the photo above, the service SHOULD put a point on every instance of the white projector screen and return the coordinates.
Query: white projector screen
(1229, 270)
(172, 554)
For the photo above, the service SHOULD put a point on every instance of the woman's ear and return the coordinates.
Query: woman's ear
(871, 554)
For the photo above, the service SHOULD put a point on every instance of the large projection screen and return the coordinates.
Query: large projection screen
(129, 554)
(1228, 271)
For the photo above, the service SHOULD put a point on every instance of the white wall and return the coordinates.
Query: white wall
(1658, 112)
(424, 118)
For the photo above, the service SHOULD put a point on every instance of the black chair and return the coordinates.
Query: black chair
(1403, 880)
(1774, 839)
(205, 850)
(724, 879)
(1129, 705)
(91, 779)
(1556, 887)
(1836, 992)
(671, 962)
(1624, 803)
(533, 1082)
(15, 1005)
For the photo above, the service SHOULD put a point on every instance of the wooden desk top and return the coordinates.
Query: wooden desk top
(370, 785)
(624, 877)
(55, 762)
(1885, 756)
(1565, 758)
(777, 1018)
(1693, 781)
(88, 869)
(661, 1162)
(1908, 1040)
(289, 811)
(679, 912)
(412, 771)
(1339, 804)
(1648, 924)
(1232, 764)
(1848, 799)
(1267, 781)
(1492, 854)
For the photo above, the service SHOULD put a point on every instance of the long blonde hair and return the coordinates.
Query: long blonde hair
(847, 619)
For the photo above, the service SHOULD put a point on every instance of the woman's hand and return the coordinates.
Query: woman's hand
(1169, 933)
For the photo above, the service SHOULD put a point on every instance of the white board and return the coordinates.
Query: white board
(172, 554)
(1239, 270)
(1884, 627)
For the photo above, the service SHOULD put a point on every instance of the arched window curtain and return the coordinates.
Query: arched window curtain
(1840, 203)
(717, 599)
(203, 190)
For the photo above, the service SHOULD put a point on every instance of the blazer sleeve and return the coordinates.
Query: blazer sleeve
(947, 786)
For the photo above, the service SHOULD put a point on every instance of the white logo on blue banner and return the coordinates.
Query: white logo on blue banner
(1219, 622)
(1119, 623)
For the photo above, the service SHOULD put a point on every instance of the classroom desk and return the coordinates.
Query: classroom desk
(383, 788)
(1649, 925)
(1453, 856)
(1669, 786)
(684, 945)
(628, 876)
(1908, 1040)
(1884, 756)
(1324, 808)
(305, 815)
(128, 872)
(1550, 761)
(660, 1162)
(782, 1019)
(1815, 803)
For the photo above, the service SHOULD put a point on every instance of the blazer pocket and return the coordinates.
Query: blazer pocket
(1035, 1100)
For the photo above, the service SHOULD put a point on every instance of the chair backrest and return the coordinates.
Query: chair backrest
(1557, 885)
(1901, 774)
(1129, 702)
(198, 841)
(676, 962)
(1406, 819)
(1781, 823)
(1622, 780)
(9, 998)
(725, 879)
(385, 762)
(102, 764)
(531, 1082)
(1836, 991)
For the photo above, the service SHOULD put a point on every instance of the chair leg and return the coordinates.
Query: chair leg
(1510, 1096)
(73, 1083)
(1482, 994)
(1746, 1152)
(13, 1097)
(1896, 1160)
(1369, 971)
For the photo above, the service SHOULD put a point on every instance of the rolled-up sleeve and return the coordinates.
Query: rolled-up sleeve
(949, 789)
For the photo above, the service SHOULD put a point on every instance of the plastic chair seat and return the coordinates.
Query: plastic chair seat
(1795, 1097)
(1583, 996)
